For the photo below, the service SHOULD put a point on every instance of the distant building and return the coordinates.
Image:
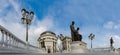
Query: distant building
(48, 40)
(66, 44)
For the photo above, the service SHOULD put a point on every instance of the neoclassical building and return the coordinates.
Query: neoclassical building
(66, 44)
(48, 40)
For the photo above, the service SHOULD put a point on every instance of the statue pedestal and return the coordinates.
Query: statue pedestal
(78, 47)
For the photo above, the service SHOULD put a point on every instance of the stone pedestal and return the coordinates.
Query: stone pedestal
(78, 47)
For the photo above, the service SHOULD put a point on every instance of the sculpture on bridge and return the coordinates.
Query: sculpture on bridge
(78, 37)
(111, 42)
(72, 30)
(74, 33)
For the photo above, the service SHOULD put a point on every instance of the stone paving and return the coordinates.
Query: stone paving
(14, 51)
(92, 53)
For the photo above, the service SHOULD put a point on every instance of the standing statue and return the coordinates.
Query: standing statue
(111, 42)
(61, 37)
(72, 30)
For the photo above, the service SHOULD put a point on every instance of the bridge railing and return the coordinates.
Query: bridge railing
(8, 39)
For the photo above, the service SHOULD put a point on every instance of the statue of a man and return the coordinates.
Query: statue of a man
(78, 37)
(111, 42)
(72, 30)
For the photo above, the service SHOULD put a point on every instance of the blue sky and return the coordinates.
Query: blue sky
(100, 17)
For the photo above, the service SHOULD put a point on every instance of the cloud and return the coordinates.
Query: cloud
(111, 25)
(34, 30)
(87, 14)
(105, 41)
(41, 26)
(15, 5)
(116, 39)
(12, 21)
(90, 16)
(3, 6)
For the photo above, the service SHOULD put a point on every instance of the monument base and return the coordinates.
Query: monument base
(78, 47)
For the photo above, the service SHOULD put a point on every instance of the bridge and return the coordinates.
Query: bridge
(12, 45)
(9, 43)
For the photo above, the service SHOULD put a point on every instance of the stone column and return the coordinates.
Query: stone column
(12, 43)
(10, 39)
(6, 41)
(53, 46)
(39, 44)
(17, 43)
(2, 38)
(67, 45)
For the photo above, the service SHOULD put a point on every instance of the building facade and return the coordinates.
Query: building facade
(66, 41)
(48, 41)
(66, 44)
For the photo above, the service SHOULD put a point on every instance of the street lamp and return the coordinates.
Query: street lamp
(26, 19)
(91, 37)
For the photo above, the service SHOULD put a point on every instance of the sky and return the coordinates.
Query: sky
(100, 17)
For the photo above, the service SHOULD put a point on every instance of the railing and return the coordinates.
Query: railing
(105, 49)
(7, 39)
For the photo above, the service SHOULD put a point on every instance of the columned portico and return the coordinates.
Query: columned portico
(48, 41)
(66, 44)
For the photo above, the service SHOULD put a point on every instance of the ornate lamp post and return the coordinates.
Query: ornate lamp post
(26, 19)
(91, 37)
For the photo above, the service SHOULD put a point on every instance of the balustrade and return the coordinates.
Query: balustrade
(7, 39)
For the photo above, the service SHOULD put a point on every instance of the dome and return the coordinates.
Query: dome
(48, 32)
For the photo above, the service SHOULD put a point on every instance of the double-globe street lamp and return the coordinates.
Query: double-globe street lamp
(91, 37)
(26, 19)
